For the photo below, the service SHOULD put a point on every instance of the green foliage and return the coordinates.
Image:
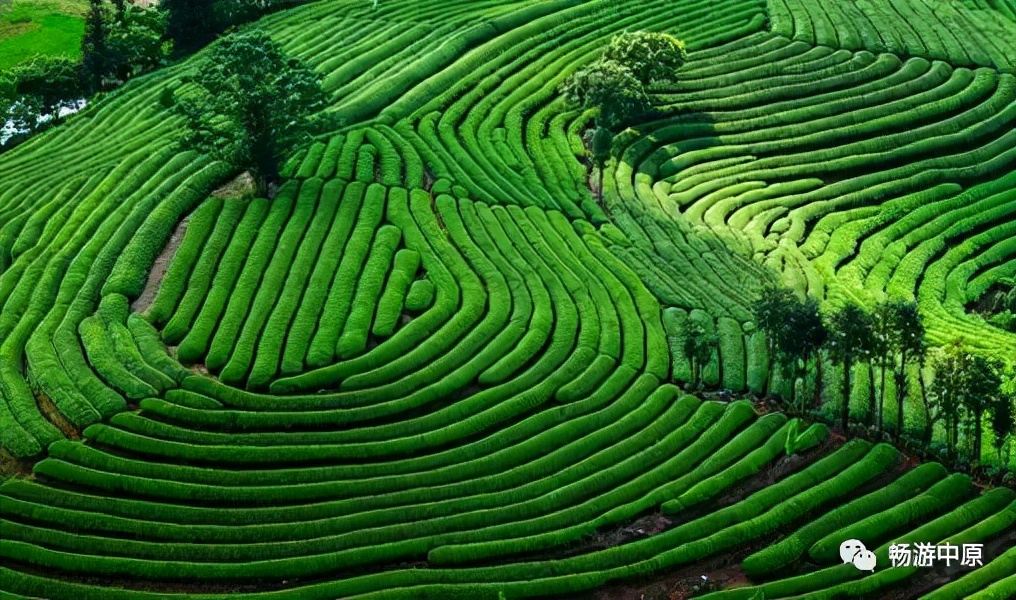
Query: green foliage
(614, 86)
(699, 345)
(122, 41)
(850, 339)
(850, 333)
(54, 82)
(250, 103)
(771, 312)
(601, 145)
(193, 23)
(794, 330)
(611, 89)
(968, 386)
(651, 56)
(791, 436)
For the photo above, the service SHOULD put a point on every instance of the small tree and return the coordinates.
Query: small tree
(808, 334)
(949, 390)
(910, 347)
(698, 347)
(981, 394)
(651, 56)
(850, 340)
(250, 104)
(93, 44)
(771, 312)
(1003, 415)
(614, 86)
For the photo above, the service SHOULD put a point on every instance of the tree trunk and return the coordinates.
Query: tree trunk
(929, 425)
(260, 181)
(845, 406)
(816, 400)
(599, 189)
(793, 384)
(901, 393)
(872, 409)
(979, 419)
(881, 396)
(954, 436)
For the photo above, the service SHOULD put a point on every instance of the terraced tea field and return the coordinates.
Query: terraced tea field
(434, 366)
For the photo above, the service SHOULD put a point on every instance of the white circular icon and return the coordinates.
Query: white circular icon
(865, 560)
(849, 549)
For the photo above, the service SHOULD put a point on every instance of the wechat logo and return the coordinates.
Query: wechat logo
(854, 552)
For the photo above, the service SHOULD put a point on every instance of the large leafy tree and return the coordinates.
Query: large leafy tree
(850, 341)
(135, 41)
(250, 103)
(615, 85)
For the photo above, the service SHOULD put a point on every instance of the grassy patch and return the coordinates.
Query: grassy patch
(50, 27)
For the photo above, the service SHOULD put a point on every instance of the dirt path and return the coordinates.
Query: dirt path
(158, 271)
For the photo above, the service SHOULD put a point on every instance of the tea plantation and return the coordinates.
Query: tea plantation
(433, 365)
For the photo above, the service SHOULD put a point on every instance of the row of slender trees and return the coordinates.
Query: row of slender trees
(967, 388)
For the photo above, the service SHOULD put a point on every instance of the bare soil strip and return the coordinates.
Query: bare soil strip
(158, 271)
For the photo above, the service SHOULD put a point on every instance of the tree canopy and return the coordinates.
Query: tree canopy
(615, 84)
(53, 82)
(652, 56)
(609, 87)
(193, 23)
(250, 103)
(122, 40)
(850, 340)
